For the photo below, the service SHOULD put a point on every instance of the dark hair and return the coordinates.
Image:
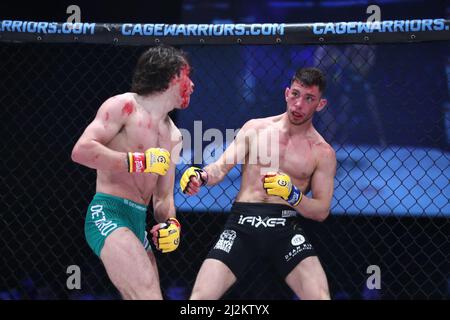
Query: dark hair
(155, 69)
(310, 77)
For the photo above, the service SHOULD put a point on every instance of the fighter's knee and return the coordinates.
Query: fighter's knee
(321, 292)
(142, 295)
(148, 295)
(324, 294)
(317, 292)
(143, 291)
(148, 292)
(199, 294)
(195, 295)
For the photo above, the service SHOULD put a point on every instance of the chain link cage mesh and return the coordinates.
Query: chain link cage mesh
(387, 118)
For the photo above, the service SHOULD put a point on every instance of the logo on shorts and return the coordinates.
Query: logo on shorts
(288, 213)
(146, 243)
(258, 221)
(292, 253)
(104, 225)
(297, 240)
(226, 240)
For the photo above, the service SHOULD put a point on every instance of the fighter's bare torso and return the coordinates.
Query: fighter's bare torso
(140, 131)
(298, 155)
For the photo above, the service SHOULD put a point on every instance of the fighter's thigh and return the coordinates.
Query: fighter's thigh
(308, 280)
(213, 280)
(152, 259)
(127, 263)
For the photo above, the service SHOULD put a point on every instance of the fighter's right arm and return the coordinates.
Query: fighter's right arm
(216, 172)
(235, 153)
(90, 149)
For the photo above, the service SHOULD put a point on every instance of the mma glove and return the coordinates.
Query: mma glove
(166, 235)
(153, 160)
(279, 184)
(192, 172)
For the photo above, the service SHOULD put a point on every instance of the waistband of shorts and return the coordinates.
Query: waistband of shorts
(119, 200)
(262, 208)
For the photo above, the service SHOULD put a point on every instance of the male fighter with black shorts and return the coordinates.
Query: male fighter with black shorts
(264, 217)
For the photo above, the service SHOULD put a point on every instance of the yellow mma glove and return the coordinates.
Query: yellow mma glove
(154, 160)
(166, 235)
(192, 172)
(279, 184)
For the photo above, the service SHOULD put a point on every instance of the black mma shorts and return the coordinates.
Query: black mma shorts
(270, 231)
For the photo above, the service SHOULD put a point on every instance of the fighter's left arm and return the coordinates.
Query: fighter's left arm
(166, 234)
(318, 206)
(163, 198)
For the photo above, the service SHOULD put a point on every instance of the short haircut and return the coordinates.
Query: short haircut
(310, 77)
